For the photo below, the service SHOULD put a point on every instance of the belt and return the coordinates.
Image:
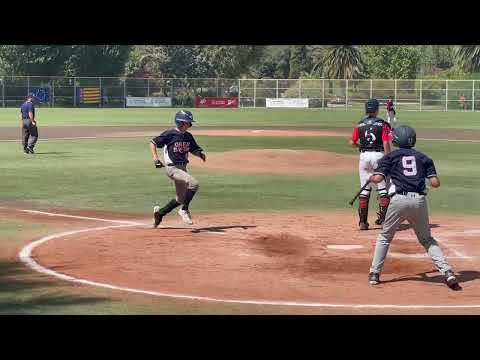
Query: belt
(371, 150)
(409, 193)
(179, 164)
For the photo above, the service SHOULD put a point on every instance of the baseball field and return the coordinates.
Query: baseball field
(273, 232)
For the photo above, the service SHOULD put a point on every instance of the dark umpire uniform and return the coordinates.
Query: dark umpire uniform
(29, 125)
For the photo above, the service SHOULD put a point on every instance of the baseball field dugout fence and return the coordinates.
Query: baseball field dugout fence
(414, 95)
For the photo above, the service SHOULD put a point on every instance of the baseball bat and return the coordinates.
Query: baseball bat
(359, 192)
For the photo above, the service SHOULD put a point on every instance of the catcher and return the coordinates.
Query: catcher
(177, 143)
(371, 136)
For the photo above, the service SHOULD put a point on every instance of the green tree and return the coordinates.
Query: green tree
(300, 63)
(391, 61)
(342, 62)
(78, 60)
(468, 57)
(231, 61)
(274, 63)
(31, 60)
(95, 60)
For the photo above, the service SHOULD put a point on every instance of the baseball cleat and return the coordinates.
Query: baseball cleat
(451, 280)
(156, 216)
(380, 220)
(186, 216)
(374, 278)
(363, 226)
(25, 150)
(30, 150)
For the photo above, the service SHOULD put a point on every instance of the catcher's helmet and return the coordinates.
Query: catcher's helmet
(183, 117)
(404, 137)
(371, 106)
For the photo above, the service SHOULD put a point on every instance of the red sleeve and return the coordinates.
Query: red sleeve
(355, 134)
(387, 132)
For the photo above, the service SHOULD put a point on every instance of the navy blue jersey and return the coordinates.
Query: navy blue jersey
(407, 168)
(176, 146)
(26, 108)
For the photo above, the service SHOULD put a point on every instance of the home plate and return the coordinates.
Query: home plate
(344, 247)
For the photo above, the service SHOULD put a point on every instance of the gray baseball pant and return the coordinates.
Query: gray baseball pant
(412, 207)
(183, 181)
(29, 134)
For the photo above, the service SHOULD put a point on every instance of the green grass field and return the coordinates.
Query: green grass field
(118, 175)
(312, 118)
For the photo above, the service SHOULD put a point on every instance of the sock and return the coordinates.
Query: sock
(188, 198)
(169, 207)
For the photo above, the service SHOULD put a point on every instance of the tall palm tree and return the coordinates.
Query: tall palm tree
(468, 56)
(342, 62)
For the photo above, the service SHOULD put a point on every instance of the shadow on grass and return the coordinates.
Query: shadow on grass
(52, 153)
(20, 293)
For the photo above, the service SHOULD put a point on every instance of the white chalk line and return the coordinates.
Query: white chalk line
(25, 256)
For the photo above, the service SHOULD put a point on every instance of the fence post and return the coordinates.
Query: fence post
(421, 94)
(276, 89)
(216, 84)
(3, 92)
(101, 92)
(446, 95)
(371, 88)
(239, 93)
(125, 92)
(323, 94)
(148, 87)
(74, 91)
(473, 95)
(255, 93)
(395, 92)
(300, 88)
(28, 85)
(346, 94)
(53, 94)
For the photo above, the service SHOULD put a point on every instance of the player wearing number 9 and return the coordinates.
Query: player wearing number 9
(408, 169)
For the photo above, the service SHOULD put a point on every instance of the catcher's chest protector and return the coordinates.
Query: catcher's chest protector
(370, 132)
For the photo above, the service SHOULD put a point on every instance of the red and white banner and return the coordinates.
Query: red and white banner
(216, 102)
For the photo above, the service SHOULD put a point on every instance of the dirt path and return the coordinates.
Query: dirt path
(74, 132)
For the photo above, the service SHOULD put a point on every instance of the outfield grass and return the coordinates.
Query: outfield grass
(312, 118)
(118, 175)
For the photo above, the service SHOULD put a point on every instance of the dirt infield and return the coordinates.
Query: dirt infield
(307, 258)
(280, 161)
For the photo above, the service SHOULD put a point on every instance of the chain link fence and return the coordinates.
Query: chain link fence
(415, 95)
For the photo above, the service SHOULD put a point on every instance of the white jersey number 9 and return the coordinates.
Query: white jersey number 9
(409, 166)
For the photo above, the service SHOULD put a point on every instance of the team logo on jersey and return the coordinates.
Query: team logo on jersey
(181, 147)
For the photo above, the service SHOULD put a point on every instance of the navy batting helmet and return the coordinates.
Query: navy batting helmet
(404, 137)
(183, 117)
(371, 106)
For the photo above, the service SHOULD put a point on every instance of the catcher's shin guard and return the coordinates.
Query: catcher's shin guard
(383, 203)
(363, 211)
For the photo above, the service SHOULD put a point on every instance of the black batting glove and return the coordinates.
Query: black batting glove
(203, 157)
(158, 164)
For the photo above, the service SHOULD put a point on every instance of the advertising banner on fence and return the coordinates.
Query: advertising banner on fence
(149, 101)
(287, 103)
(216, 102)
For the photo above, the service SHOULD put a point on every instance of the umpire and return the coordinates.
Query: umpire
(29, 125)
